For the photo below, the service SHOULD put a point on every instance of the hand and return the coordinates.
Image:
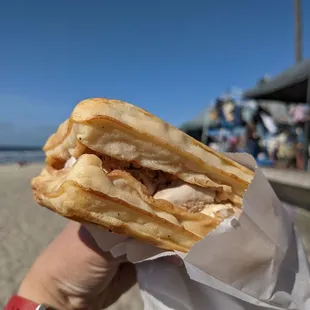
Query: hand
(74, 273)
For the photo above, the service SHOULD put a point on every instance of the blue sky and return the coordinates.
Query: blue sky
(171, 57)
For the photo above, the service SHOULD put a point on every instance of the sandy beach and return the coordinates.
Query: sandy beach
(25, 229)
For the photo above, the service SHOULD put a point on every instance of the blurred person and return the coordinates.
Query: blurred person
(287, 150)
(273, 150)
(252, 140)
(299, 147)
(233, 145)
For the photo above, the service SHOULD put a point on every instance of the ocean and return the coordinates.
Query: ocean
(10, 155)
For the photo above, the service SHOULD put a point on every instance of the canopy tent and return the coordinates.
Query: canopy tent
(197, 126)
(207, 126)
(291, 86)
(203, 120)
(198, 122)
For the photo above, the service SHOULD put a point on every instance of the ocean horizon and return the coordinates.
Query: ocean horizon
(16, 154)
(7, 148)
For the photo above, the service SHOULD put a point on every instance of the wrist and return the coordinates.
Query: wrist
(17, 302)
(42, 292)
(49, 291)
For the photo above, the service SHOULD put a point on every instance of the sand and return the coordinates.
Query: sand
(26, 229)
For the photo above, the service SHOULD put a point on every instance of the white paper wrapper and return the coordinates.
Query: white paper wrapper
(252, 262)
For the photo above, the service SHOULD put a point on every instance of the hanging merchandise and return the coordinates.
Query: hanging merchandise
(228, 109)
(214, 121)
(298, 113)
(269, 123)
(226, 115)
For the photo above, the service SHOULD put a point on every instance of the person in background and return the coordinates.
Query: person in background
(299, 147)
(274, 151)
(233, 144)
(252, 140)
(287, 150)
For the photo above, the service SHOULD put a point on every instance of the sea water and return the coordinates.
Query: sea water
(24, 156)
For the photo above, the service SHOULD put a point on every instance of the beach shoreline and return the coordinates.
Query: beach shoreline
(14, 155)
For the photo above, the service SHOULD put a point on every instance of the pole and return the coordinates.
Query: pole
(298, 31)
(298, 58)
(307, 129)
(204, 133)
